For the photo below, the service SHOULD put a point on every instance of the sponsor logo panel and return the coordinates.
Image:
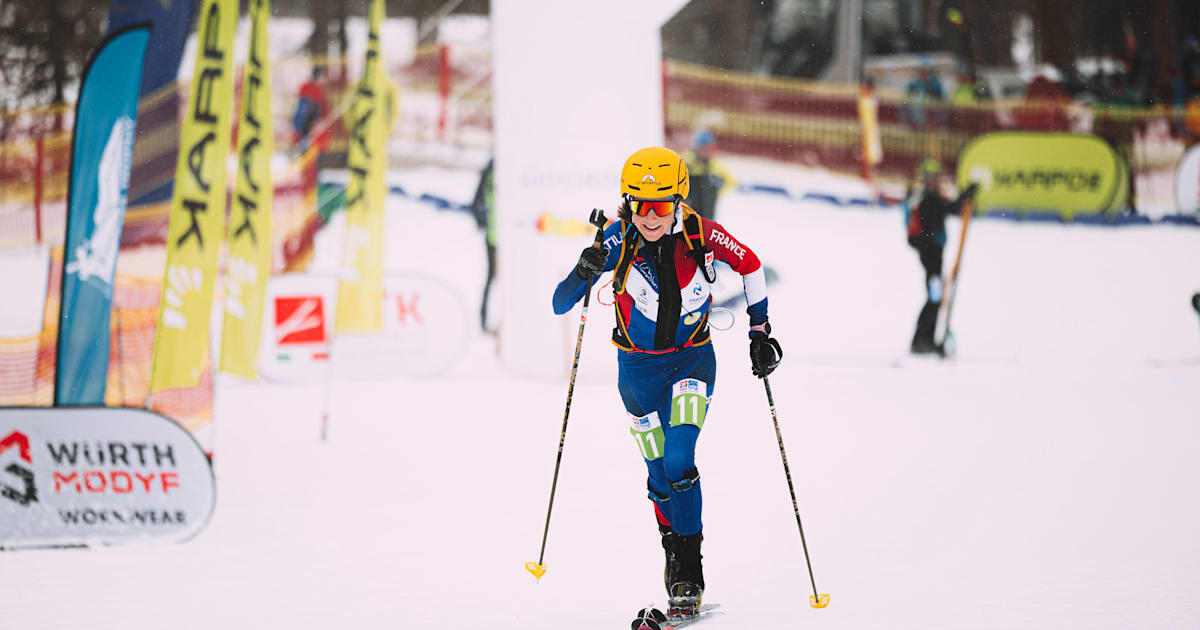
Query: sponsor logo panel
(1063, 173)
(96, 475)
(425, 325)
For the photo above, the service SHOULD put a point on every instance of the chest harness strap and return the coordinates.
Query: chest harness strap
(631, 241)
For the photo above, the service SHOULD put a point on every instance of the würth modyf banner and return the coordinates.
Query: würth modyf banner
(101, 156)
(99, 475)
(360, 291)
(249, 263)
(197, 217)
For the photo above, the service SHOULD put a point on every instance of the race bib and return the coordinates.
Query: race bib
(689, 402)
(647, 431)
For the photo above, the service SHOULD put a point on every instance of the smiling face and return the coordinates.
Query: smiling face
(652, 227)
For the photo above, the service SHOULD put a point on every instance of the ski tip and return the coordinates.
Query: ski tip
(538, 570)
(649, 619)
(818, 601)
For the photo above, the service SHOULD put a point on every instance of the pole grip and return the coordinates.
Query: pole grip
(599, 220)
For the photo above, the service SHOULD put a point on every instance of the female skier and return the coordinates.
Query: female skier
(661, 254)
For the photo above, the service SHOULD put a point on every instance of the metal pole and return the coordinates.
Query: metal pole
(818, 600)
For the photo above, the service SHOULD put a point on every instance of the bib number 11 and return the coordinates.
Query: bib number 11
(647, 431)
(689, 403)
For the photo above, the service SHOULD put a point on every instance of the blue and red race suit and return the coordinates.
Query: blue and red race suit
(667, 369)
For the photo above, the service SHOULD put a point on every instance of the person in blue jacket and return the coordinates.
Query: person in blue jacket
(661, 254)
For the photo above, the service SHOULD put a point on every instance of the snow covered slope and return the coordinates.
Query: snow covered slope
(1045, 479)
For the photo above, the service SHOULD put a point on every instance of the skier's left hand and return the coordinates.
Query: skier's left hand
(765, 353)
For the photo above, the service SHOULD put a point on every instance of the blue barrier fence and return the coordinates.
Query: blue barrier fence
(442, 203)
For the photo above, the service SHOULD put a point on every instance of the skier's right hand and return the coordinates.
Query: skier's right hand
(591, 262)
(971, 190)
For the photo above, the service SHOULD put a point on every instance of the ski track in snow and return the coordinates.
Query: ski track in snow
(1043, 480)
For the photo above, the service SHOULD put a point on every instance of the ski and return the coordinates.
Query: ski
(655, 619)
(947, 343)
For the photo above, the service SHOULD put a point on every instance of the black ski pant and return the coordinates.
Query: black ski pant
(930, 252)
(487, 286)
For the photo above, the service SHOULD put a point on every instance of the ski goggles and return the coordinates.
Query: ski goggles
(660, 207)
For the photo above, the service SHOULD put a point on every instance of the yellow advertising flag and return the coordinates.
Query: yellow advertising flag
(249, 263)
(197, 215)
(360, 288)
(868, 116)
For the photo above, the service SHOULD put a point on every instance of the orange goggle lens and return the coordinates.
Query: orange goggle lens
(660, 208)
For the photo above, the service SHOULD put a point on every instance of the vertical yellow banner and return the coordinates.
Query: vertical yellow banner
(198, 206)
(868, 116)
(249, 263)
(360, 288)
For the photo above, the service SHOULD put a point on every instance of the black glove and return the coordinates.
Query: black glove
(591, 262)
(765, 353)
(971, 190)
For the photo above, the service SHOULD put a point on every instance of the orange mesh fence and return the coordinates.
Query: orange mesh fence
(27, 364)
(33, 189)
(18, 371)
(131, 341)
(445, 95)
(817, 124)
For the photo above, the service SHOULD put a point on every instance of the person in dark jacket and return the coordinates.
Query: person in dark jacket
(925, 212)
(708, 176)
(483, 208)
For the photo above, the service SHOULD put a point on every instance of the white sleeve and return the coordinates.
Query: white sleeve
(756, 286)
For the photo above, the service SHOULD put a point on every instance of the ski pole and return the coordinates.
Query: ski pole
(538, 569)
(951, 288)
(817, 600)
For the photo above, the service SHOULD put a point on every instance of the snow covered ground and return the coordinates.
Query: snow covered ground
(1044, 479)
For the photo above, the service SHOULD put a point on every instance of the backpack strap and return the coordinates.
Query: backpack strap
(630, 240)
(693, 235)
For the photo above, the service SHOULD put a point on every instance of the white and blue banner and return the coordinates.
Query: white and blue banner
(101, 156)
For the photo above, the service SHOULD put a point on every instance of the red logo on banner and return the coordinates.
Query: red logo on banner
(405, 310)
(17, 439)
(299, 320)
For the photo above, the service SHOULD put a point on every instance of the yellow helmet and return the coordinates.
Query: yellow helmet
(655, 173)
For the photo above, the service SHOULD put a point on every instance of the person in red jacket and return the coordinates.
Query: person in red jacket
(311, 106)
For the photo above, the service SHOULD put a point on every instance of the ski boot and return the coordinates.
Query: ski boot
(671, 568)
(687, 589)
